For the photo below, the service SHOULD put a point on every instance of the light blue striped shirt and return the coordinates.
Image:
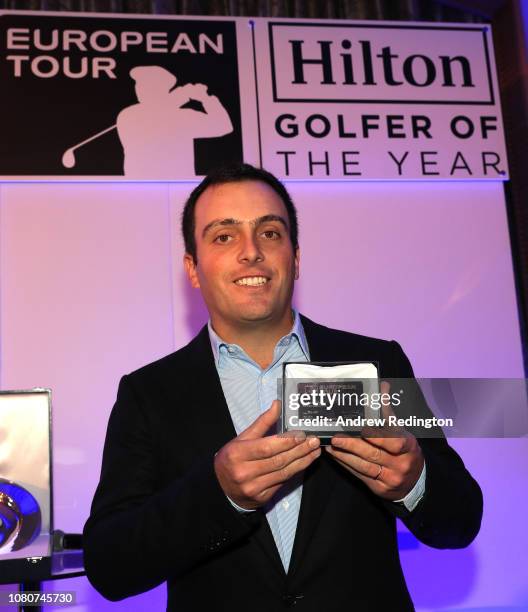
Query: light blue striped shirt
(249, 391)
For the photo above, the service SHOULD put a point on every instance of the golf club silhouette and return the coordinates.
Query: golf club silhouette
(68, 158)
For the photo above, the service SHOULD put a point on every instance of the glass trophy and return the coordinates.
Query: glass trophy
(327, 399)
(25, 485)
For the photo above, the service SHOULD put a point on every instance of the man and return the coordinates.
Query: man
(193, 489)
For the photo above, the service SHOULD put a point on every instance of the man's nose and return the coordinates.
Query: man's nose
(250, 251)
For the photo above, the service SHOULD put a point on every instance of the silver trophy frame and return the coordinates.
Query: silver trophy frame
(26, 485)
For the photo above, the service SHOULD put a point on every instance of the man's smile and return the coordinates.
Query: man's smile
(251, 281)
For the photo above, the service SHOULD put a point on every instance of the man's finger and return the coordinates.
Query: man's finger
(368, 480)
(394, 445)
(283, 459)
(281, 476)
(359, 465)
(260, 426)
(362, 448)
(262, 488)
(269, 446)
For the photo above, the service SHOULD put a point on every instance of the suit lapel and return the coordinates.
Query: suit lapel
(214, 428)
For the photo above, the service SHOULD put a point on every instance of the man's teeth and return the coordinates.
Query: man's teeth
(254, 281)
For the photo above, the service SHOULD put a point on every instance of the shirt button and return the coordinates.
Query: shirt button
(231, 349)
(285, 504)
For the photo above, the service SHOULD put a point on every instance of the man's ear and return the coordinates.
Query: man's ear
(297, 262)
(190, 268)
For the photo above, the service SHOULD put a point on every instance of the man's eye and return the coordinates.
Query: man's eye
(222, 238)
(271, 234)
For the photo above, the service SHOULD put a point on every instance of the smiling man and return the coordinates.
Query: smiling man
(196, 487)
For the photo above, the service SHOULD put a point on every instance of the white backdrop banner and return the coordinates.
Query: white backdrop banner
(129, 97)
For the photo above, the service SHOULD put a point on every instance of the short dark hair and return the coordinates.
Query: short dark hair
(234, 173)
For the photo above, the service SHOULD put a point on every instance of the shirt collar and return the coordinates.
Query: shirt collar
(297, 330)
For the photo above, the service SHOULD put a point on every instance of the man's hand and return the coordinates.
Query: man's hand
(252, 468)
(390, 467)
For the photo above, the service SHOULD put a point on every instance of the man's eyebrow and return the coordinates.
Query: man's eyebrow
(255, 222)
(221, 222)
(268, 218)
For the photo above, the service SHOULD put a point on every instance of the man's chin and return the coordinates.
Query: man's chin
(255, 317)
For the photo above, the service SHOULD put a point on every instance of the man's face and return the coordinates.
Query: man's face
(246, 264)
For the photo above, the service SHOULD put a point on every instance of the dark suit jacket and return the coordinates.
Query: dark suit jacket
(159, 513)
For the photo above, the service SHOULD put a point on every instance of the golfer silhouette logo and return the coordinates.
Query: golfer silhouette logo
(157, 133)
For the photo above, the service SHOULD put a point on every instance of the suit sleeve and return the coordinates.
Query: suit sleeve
(450, 512)
(140, 533)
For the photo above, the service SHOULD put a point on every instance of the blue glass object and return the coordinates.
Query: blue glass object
(20, 517)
